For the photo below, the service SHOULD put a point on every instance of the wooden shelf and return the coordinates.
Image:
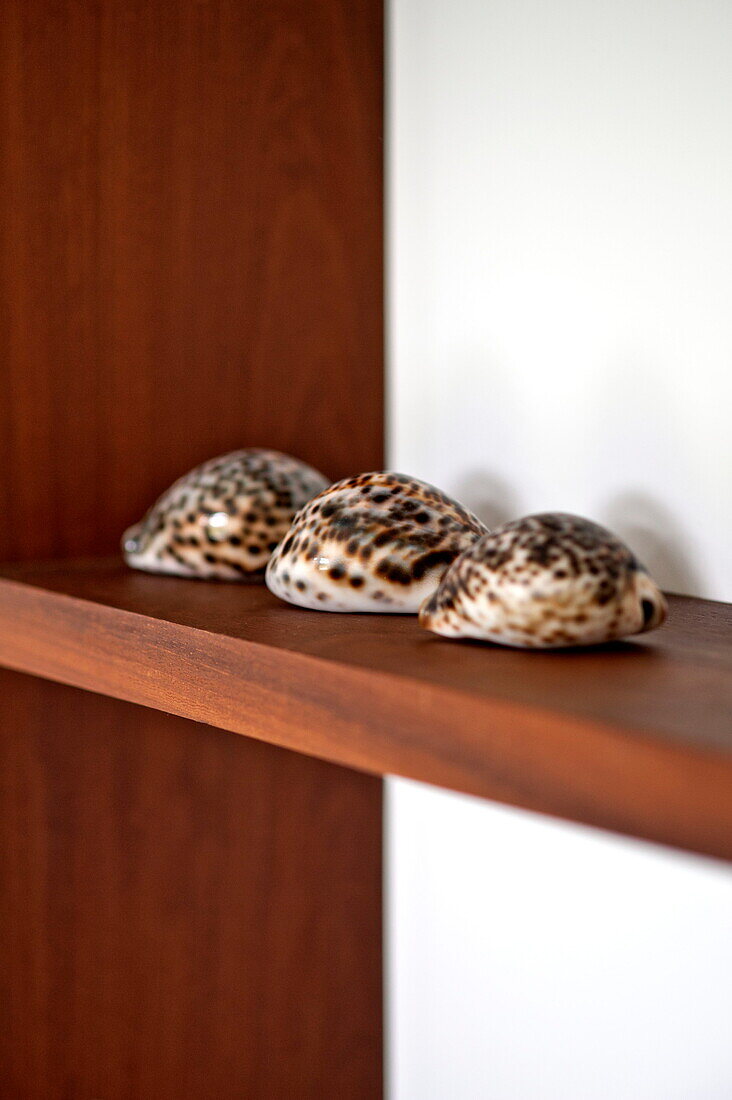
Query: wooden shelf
(634, 737)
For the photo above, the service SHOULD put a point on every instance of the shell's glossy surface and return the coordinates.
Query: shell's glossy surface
(545, 581)
(222, 520)
(378, 542)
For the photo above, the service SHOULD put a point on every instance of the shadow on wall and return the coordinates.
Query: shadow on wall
(650, 530)
(492, 499)
(656, 538)
(654, 532)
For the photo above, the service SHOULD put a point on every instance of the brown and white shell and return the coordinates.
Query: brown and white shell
(222, 520)
(545, 581)
(377, 542)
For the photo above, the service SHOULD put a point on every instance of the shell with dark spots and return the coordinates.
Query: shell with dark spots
(546, 581)
(377, 542)
(222, 520)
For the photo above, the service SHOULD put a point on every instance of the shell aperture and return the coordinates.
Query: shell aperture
(545, 581)
(377, 542)
(223, 519)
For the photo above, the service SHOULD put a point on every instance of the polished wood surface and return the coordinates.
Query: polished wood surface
(190, 250)
(635, 736)
(184, 913)
(191, 261)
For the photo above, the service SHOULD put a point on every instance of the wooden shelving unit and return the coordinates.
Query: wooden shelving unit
(635, 736)
(191, 261)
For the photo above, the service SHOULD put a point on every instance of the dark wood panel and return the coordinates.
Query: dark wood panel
(183, 913)
(634, 736)
(190, 250)
(190, 261)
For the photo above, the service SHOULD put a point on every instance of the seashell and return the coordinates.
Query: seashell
(377, 542)
(223, 519)
(545, 581)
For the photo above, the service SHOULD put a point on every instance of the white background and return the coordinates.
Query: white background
(560, 237)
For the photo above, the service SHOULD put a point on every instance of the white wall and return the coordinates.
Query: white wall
(561, 337)
(536, 960)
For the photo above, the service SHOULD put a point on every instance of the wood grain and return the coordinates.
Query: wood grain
(635, 737)
(190, 261)
(190, 250)
(184, 913)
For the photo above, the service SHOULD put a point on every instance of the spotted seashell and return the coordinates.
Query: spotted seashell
(377, 542)
(222, 520)
(545, 581)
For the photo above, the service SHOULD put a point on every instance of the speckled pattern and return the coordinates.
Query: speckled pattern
(378, 542)
(223, 520)
(545, 581)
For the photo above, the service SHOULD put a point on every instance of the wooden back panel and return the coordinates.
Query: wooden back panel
(184, 914)
(190, 262)
(190, 250)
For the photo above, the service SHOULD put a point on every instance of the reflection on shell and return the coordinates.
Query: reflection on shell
(222, 520)
(377, 542)
(545, 581)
